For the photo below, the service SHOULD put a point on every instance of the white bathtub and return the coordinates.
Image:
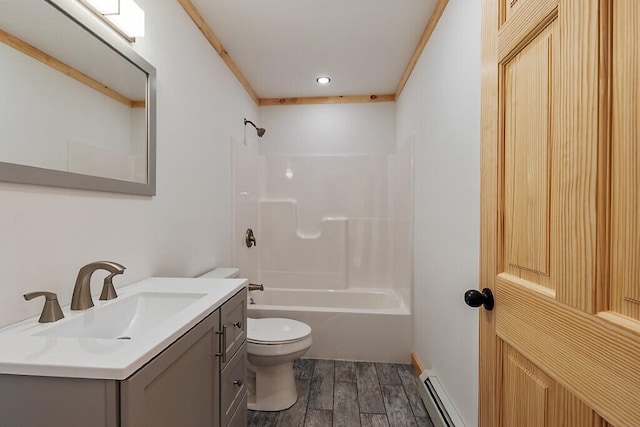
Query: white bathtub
(369, 325)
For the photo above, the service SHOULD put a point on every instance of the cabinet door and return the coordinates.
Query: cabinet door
(233, 319)
(177, 387)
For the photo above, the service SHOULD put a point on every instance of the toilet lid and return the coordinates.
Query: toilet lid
(276, 330)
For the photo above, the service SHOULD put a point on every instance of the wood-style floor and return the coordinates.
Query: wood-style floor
(350, 394)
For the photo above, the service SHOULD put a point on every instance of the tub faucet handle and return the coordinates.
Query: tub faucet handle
(249, 238)
(51, 311)
(255, 287)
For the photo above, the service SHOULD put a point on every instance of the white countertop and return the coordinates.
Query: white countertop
(22, 352)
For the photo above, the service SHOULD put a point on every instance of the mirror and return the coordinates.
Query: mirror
(78, 103)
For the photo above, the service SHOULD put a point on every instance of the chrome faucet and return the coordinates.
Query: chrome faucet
(81, 299)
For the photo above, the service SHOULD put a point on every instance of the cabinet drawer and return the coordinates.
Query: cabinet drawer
(239, 419)
(233, 320)
(232, 386)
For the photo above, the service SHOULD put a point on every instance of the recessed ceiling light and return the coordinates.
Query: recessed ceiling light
(323, 80)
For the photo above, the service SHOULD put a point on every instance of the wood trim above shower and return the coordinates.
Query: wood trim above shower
(208, 33)
(327, 100)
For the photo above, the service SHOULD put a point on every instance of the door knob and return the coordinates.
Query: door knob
(475, 298)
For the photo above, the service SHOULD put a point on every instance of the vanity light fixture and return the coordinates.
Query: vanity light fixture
(323, 80)
(124, 16)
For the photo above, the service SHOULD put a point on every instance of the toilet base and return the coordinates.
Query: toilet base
(274, 388)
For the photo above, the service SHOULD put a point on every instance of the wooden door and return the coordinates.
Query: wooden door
(560, 237)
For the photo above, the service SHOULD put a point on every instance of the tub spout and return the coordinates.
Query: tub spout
(254, 287)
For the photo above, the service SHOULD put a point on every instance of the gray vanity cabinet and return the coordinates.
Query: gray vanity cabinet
(182, 387)
(196, 381)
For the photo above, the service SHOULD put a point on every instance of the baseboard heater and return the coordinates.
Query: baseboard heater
(438, 404)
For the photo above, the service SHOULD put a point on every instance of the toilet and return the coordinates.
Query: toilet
(272, 346)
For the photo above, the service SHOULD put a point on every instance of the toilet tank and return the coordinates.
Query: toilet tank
(221, 273)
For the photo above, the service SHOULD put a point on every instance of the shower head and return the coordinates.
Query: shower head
(260, 131)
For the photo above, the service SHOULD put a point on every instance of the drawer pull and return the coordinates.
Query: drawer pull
(224, 344)
(238, 383)
(238, 324)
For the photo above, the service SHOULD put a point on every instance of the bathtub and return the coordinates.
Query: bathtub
(366, 325)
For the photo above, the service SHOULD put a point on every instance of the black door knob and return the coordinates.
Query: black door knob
(475, 298)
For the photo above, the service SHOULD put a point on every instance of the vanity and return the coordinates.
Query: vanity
(166, 352)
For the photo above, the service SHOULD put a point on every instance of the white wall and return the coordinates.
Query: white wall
(48, 233)
(328, 129)
(440, 109)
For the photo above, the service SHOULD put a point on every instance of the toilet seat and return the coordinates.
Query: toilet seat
(276, 331)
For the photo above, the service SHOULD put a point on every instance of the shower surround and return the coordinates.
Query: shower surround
(334, 246)
(324, 222)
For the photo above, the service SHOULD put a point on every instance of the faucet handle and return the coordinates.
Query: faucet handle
(51, 311)
(108, 291)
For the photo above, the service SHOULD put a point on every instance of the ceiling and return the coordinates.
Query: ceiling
(281, 46)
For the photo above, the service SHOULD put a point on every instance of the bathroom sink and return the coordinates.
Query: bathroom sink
(115, 338)
(124, 318)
